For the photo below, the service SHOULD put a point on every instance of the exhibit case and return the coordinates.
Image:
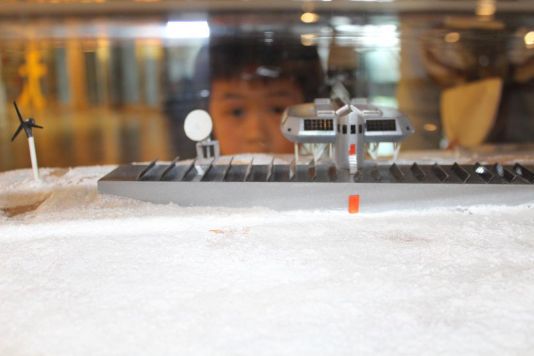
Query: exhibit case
(112, 81)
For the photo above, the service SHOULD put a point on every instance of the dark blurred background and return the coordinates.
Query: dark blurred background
(112, 81)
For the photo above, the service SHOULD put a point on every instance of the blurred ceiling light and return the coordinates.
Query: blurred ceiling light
(187, 29)
(485, 8)
(529, 39)
(452, 37)
(430, 127)
(309, 17)
(370, 35)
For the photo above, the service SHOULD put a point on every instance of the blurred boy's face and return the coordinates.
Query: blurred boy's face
(246, 114)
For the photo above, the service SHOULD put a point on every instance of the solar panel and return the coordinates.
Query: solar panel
(381, 125)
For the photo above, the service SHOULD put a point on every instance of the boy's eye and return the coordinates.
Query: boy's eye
(238, 112)
(277, 109)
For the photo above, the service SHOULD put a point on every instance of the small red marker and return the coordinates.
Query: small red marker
(352, 149)
(354, 204)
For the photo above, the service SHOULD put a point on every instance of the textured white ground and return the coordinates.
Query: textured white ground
(88, 274)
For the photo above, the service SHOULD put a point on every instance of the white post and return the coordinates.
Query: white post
(3, 111)
(33, 157)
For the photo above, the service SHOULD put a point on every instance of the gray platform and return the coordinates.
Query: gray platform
(303, 186)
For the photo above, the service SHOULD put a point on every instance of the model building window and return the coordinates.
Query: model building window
(318, 125)
(344, 129)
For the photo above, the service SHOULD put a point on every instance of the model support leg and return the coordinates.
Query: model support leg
(360, 142)
(207, 149)
(33, 157)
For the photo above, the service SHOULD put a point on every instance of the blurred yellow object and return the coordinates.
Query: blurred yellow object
(468, 111)
(486, 8)
(529, 39)
(309, 17)
(32, 70)
(452, 37)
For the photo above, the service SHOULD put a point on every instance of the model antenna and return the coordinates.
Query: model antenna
(339, 91)
(198, 125)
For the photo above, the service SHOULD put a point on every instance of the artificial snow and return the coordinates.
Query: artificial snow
(88, 274)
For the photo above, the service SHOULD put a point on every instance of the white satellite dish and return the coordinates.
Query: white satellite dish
(198, 125)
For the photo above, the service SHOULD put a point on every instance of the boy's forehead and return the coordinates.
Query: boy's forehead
(268, 88)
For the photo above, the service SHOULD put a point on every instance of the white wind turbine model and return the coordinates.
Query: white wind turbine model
(28, 125)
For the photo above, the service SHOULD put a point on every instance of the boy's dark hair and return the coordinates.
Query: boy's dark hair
(261, 58)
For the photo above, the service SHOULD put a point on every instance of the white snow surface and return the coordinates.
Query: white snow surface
(88, 274)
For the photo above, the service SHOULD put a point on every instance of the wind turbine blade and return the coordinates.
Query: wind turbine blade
(18, 112)
(16, 133)
(37, 126)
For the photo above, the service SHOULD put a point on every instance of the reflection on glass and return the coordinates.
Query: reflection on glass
(252, 81)
(109, 90)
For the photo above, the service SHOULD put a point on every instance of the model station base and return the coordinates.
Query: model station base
(302, 185)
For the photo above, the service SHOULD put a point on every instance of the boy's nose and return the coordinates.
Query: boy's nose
(254, 124)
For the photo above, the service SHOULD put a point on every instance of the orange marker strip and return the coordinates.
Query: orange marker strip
(354, 204)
